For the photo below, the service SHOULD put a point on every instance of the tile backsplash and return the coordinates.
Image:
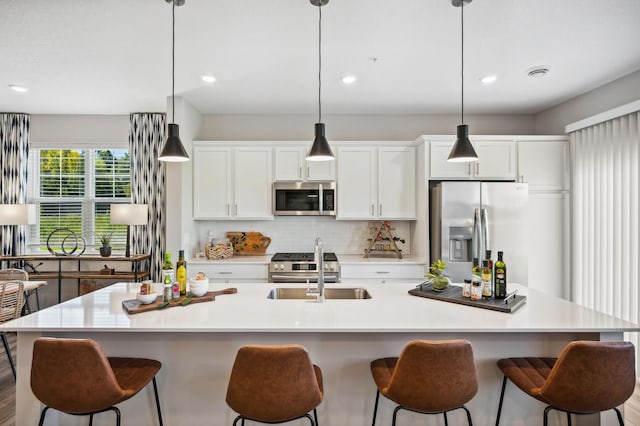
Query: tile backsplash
(296, 234)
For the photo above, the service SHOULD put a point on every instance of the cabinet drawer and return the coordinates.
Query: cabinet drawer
(225, 271)
(388, 271)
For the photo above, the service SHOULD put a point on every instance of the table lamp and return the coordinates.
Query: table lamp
(129, 214)
(17, 214)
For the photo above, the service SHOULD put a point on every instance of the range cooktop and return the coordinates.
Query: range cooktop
(302, 257)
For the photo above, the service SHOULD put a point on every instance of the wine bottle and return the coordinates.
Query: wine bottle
(168, 273)
(181, 273)
(487, 256)
(500, 274)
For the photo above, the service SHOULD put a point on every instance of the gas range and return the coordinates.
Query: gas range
(300, 267)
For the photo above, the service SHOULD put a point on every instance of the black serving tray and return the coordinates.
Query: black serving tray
(453, 294)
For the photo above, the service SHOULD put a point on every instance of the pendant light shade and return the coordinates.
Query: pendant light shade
(173, 150)
(320, 149)
(462, 151)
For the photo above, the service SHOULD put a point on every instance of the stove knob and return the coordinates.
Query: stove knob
(282, 267)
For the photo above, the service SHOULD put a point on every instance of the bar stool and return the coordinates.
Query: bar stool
(13, 274)
(74, 376)
(587, 377)
(11, 300)
(429, 377)
(274, 384)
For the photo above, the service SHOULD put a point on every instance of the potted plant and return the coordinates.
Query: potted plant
(105, 244)
(438, 280)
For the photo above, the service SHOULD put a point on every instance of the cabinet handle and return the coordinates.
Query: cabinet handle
(308, 171)
(380, 210)
(225, 272)
(227, 209)
(235, 210)
(300, 172)
(469, 169)
(372, 210)
(477, 167)
(383, 272)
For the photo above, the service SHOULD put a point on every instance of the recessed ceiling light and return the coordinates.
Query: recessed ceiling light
(208, 79)
(17, 88)
(488, 79)
(348, 79)
(538, 72)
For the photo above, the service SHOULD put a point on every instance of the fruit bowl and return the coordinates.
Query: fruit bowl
(145, 299)
(199, 287)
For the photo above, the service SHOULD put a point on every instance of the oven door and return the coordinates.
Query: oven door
(301, 277)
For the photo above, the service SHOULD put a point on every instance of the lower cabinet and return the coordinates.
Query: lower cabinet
(228, 273)
(382, 273)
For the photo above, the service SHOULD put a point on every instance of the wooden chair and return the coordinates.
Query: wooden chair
(587, 377)
(274, 384)
(429, 377)
(74, 376)
(13, 274)
(11, 300)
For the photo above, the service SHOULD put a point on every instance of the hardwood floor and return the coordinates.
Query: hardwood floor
(7, 385)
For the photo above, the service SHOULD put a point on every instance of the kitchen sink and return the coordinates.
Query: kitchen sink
(329, 293)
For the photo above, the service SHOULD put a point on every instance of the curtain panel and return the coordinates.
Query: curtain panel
(146, 136)
(605, 215)
(14, 156)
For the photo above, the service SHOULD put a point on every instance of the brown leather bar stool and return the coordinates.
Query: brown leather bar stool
(429, 377)
(74, 376)
(587, 377)
(274, 384)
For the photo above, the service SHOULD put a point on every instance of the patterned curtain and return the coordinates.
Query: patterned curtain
(14, 155)
(146, 136)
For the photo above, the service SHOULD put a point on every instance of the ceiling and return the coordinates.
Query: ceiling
(114, 56)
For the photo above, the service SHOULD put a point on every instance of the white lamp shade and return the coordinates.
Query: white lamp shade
(17, 214)
(129, 214)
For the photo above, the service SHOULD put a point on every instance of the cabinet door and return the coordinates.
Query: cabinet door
(321, 170)
(443, 169)
(497, 160)
(252, 183)
(356, 185)
(289, 163)
(397, 183)
(212, 183)
(543, 165)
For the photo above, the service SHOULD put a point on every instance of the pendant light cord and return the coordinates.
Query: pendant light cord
(462, 62)
(173, 62)
(319, 63)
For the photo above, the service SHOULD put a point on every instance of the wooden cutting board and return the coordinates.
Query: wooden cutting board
(248, 243)
(133, 306)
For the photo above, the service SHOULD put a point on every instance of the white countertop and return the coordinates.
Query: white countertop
(391, 309)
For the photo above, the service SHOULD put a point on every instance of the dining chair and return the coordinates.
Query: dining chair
(11, 300)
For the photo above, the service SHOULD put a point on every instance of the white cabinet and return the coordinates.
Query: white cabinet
(544, 165)
(225, 273)
(290, 165)
(497, 161)
(382, 272)
(376, 183)
(232, 183)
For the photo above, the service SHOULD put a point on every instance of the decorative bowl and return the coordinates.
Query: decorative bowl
(145, 299)
(199, 287)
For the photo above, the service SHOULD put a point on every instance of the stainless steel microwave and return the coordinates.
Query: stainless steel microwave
(304, 198)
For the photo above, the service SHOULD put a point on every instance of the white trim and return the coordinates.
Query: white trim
(603, 116)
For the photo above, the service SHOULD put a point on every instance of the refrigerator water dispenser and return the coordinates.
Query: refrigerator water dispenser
(460, 244)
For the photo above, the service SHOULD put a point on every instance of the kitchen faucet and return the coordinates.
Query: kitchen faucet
(318, 258)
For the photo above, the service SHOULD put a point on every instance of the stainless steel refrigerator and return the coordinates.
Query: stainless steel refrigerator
(467, 218)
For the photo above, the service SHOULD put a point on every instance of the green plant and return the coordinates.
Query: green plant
(105, 239)
(439, 281)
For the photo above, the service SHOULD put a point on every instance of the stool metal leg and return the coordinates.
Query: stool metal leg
(155, 392)
(7, 349)
(375, 408)
(546, 415)
(446, 421)
(42, 414)
(468, 415)
(619, 416)
(90, 419)
(568, 419)
(315, 416)
(504, 385)
(395, 413)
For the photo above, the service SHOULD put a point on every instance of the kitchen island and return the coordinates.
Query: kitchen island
(197, 345)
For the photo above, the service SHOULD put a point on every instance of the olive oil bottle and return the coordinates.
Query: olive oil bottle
(486, 281)
(500, 274)
(181, 273)
(168, 273)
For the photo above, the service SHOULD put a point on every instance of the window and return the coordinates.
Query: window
(74, 189)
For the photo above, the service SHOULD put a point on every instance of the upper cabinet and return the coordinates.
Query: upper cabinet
(291, 165)
(232, 182)
(376, 183)
(497, 161)
(544, 164)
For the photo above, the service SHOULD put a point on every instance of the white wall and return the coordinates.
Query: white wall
(603, 98)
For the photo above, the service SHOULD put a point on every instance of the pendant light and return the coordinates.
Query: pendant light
(320, 150)
(173, 150)
(462, 151)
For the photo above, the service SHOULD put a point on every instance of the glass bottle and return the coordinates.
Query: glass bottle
(168, 273)
(500, 274)
(181, 273)
(486, 280)
(487, 257)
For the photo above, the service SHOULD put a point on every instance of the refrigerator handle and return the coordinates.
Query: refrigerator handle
(477, 234)
(485, 229)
